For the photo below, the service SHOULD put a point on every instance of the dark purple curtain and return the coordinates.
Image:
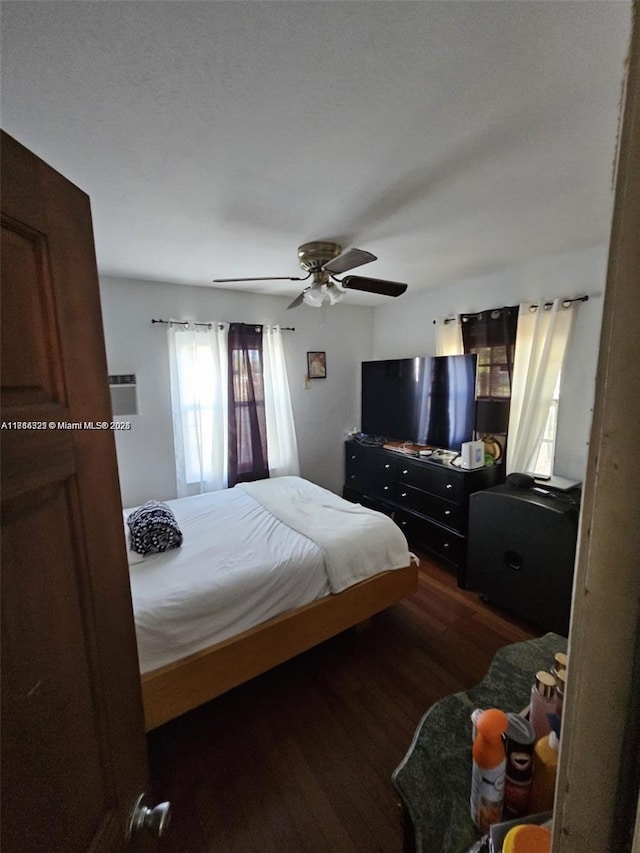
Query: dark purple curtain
(247, 423)
(492, 336)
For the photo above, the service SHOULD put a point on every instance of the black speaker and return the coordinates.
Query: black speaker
(522, 548)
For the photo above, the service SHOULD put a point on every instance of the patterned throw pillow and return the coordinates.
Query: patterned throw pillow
(154, 529)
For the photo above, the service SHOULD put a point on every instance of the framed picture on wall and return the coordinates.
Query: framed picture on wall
(317, 365)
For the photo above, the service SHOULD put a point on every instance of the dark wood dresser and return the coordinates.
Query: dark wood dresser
(427, 498)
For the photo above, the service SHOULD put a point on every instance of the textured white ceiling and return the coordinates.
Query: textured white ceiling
(448, 138)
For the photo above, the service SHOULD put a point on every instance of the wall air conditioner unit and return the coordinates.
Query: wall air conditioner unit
(124, 394)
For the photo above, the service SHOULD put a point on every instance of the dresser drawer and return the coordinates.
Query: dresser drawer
(362, 479)
(447, 544)
(375, 483)
(361, 457)
(443, 483)
(369, 470)
(442, 511)
(357, 455)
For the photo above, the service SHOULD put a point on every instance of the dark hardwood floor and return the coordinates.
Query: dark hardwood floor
(300, 759)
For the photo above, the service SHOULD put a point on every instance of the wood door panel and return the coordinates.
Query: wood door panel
(74, 753)
(47, 704)
(33, 458)
(28, 344)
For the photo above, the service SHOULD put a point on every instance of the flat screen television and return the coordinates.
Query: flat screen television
(426, 400)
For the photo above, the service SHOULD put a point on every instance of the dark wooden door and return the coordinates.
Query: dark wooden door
(73, 749)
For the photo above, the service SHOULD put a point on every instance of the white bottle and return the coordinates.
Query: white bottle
(488, 769)
(543, 703)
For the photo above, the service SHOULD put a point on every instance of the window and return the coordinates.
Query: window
(544, 462)
(199, 404)
(202, 415)
(204, 368)
(491, 335)
(494, 377)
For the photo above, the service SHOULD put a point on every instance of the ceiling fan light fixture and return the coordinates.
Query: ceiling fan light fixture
(322, 260)
(314, 297)
(334, 293)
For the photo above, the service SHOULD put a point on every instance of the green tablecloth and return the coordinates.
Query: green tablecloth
(434, 778)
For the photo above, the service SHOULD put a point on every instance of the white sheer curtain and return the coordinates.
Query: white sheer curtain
(199, 401)
(449, 336)
(541, 344)
(198, 359)
(282, 445)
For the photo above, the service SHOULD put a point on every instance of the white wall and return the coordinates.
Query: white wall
(322, 414)
(351, 334)
(405, 328)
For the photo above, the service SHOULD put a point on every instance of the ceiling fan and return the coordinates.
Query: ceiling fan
(323, 260)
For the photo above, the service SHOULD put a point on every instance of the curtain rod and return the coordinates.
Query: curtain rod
(186, 323)
(565, 304)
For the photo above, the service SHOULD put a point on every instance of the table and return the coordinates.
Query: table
(434, 778)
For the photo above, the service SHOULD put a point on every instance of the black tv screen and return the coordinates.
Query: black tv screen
(426, 400)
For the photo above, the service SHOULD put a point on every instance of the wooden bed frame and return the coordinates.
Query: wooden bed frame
(181, 686)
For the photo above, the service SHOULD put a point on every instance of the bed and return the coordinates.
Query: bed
(266, 570)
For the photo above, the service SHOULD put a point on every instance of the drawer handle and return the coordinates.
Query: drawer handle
(405, 471)
(353, 457)
(449, 485)
(446, 545)
(386, 489)
(403, 495)
(387, 465)
(447, 512)
(352, 477)
(403, 524)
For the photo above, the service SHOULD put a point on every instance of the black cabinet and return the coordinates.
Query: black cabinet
(522, 548)
(428, 499)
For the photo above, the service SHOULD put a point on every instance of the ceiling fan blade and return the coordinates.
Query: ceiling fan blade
(263, 278)
(298, 300)
(349, 260)
(374, 285)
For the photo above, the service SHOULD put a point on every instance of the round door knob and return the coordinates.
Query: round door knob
(154, 820)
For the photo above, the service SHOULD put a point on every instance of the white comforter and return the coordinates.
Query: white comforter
(243, 563)
(356, 542)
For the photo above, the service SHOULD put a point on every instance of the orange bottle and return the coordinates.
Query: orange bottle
(545, 766)
(489, 765)
(527, 838)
